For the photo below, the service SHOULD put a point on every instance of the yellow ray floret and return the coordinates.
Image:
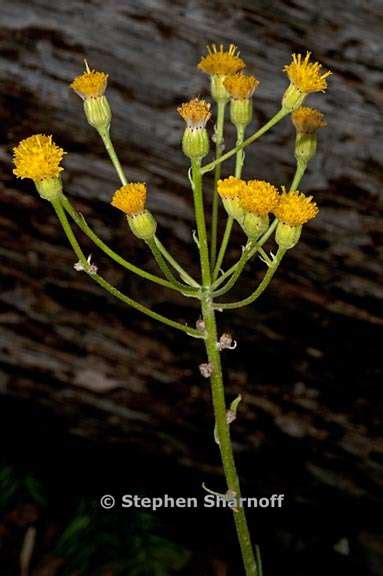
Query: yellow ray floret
(308, 120)
(240, 86)
(221, 62)
(130, 198)
(196, 113)
(90, 84)
(305, 75)
(259, 197)
(37, 157)
(295, 209)
(231, 187)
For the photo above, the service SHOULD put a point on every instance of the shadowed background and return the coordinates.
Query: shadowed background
(76, 364)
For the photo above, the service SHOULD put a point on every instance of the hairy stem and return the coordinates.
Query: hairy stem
(216, 380)
(223, 434)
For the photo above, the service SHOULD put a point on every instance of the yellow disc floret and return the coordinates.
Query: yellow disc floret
(130, 198)
(37, 157)
(305, 75)
(240, 86)
(259, 197)
(308, 120)
(90, 84)
(295, 209)
(221, 62)
(231, 187)
(196, 113)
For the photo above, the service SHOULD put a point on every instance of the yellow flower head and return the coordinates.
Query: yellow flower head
(196, 113)
(221, 62)
(231, 187)
(37, 157)
(240, 86)
(305, 75)
(90, 84)
(308, 120)
(259, 197)
(295, 209)
(130, 198)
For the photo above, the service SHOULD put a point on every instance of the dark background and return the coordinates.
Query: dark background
(96, 398)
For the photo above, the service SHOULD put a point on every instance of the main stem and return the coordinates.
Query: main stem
(217, 174)
(216, 380)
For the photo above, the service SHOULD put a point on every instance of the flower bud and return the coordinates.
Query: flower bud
(254, 225)
(49, 188)
(98, 112)
(195, 143)
(287, 236)
(305, 147)
(241, 112)
(143, 225)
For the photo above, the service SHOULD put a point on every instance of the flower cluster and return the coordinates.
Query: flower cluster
(261, 198)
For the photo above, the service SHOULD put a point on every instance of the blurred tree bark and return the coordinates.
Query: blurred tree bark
(308, 361)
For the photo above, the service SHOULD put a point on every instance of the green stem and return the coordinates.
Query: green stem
(162, 264)
(218, 393)
(201, 223)
(278, 116)
(240, 155)
(183, 274)
(223, 433)
(229, 222)
(108, 287)
(105, 135)
(222, 250)
(221, 105)
(252, 253)
(300, 170)
(238, 270)
(261, 288)
(81, 223)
